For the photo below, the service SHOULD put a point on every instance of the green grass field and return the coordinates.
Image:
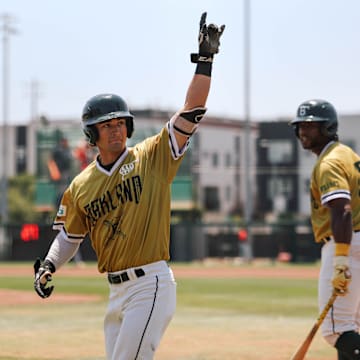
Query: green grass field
(219, 318)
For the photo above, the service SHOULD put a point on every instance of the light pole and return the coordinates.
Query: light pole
(7, 30)
(248, 206)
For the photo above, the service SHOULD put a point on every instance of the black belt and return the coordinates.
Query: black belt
(119, 278)
(328, 238)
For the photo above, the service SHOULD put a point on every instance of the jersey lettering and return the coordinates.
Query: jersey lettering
(129, 190)
(137, 188)
(123, 191)
(106, 202)
(329, 185)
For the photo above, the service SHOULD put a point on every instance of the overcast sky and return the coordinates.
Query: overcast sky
(140, 49)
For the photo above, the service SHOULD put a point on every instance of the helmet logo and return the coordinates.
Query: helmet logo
(303, 109)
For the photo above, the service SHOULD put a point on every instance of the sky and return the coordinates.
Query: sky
(68, 51)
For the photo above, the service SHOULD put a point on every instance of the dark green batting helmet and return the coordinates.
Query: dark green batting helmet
(317, 111)
(104, 107)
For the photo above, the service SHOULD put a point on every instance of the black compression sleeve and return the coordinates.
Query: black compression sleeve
(203, 68)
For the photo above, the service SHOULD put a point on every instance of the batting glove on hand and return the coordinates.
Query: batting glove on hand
(42, 276)
(209, 41)
(341, 276)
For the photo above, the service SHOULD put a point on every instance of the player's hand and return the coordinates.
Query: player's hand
(42, 276)
(341, 276)
(209, 41)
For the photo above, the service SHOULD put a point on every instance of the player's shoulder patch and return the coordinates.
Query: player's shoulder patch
(61, 210)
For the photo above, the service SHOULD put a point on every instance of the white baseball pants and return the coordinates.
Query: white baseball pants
(345, 313)
(138, 312)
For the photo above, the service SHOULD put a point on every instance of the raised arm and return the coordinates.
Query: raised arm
(198, 92)
(186, 120)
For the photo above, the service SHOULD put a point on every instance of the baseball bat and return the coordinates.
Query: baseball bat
(303, 348)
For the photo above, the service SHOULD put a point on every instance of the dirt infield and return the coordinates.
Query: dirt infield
(209, 268)
(226, 270)
(15, 297)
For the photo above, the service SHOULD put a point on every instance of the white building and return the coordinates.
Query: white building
(214, 170)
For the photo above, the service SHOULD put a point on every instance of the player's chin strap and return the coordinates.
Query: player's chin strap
(186, 122)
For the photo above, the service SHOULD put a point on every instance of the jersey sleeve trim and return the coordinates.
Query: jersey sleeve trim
(58, 225)
(176, 153)
(73, 238)
(338, 194)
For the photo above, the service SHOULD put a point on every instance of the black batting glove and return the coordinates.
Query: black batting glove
(42, 276)
(209, 41)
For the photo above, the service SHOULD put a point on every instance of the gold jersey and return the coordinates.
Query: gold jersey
(336, 175)
(125, 211)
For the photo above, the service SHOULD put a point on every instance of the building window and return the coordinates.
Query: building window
(211, 195)
(20, 160)
(237, 144)
(227, 160)
(280, 152)
(280, 190)
(228, 193)
(215, 159)
(21, 132)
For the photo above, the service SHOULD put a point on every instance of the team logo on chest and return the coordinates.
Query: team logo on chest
(127, 168)
(114, 228)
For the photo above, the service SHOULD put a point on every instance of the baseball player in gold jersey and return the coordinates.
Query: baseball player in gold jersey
(122, 200)
(335, 216)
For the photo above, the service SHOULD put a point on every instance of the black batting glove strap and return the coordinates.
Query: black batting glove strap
(209, 41)
(197, 58)
(39, 270)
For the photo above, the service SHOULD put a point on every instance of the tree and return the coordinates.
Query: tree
(21, 199)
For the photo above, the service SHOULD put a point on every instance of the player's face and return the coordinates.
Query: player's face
(311, 137)
(112, 137)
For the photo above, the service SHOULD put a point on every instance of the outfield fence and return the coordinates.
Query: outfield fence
(189, 242)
